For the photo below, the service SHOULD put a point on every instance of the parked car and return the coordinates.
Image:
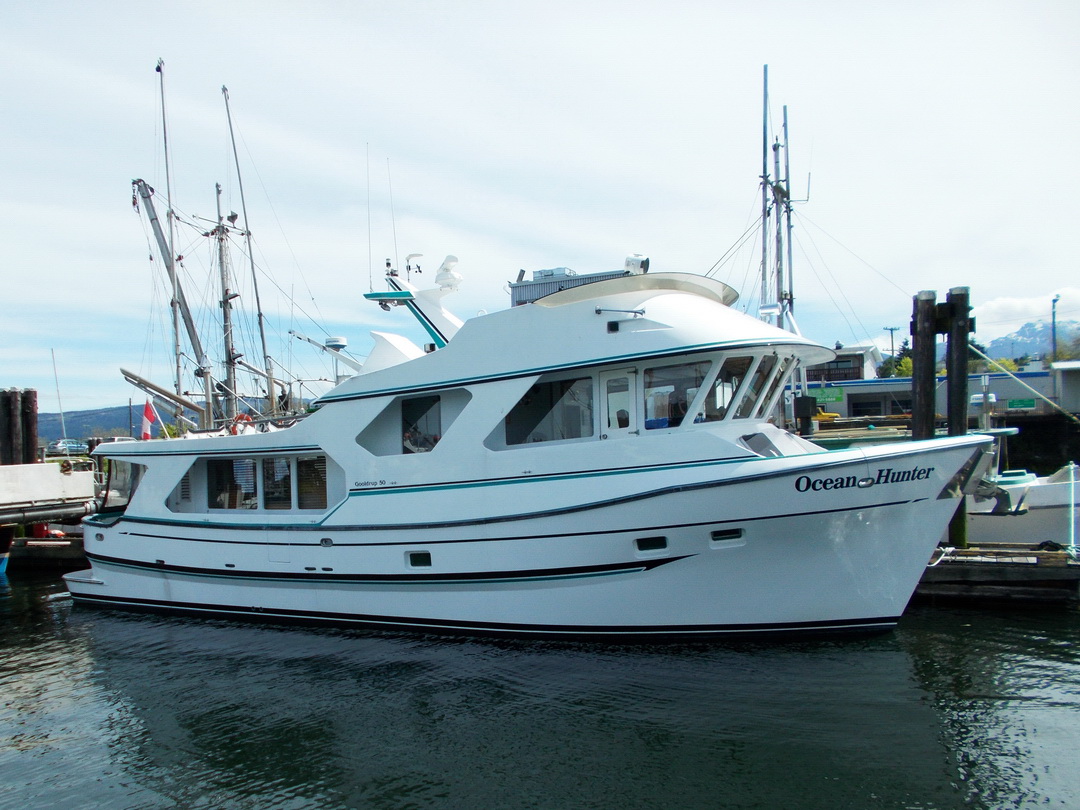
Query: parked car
(66, 447)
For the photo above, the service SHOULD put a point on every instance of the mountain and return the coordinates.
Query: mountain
(123, 420)
(119, 421)
(1033, 339)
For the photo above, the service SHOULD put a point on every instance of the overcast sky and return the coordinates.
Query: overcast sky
(940, 139)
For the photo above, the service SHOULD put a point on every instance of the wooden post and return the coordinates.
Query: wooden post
(956, 367)
(10, 433)
(956, 360)
(29, 416)
(922, 360)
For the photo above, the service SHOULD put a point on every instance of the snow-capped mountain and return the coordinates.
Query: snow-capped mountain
(1033, 339)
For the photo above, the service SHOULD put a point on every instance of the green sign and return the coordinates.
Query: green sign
(828, 394)
(1018, 404)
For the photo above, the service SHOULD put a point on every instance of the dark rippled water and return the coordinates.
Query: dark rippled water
(955, 709)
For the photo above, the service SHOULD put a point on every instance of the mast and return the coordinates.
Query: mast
(778, 195)
(181, 310)
(271, 398)
(790, 297)
(776, 198)
(221, 232)
(168, 250)
(765, 191)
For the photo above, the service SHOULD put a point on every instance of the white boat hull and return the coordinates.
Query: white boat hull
(832, 556)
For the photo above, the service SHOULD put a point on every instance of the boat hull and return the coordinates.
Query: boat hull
(1047, 512)
(776, 546)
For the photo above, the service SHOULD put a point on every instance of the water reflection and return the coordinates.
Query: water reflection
(1007, 689)
(949, 711)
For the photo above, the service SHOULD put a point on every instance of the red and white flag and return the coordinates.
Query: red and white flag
(149, 416)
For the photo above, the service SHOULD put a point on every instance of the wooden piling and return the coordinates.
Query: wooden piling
(957, 324)
(922, 359)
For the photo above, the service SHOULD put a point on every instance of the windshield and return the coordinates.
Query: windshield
(121, 480)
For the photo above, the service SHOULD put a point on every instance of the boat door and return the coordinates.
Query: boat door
(618, 403)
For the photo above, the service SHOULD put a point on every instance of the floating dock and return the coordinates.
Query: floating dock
(1013, 573)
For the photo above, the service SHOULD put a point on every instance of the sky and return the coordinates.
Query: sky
(932, 145)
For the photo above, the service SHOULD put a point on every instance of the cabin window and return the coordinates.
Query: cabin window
(230, 483)
(122, 479)
(408, 425)
(311, 482)
(277, 483)
(760, 377)
(725, 387)
(618, 403)
(552, 411)
(421, 424)
(779, 380)
(669, 391)
(285, 483)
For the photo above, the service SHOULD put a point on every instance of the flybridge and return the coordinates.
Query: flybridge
(546, 282)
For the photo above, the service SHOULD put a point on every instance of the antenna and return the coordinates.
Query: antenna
(271, 399)
(765, 189)
(56, 379)
(169, 216)
(367, 168)
(393, 218)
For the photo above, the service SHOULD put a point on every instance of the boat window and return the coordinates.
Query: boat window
(775, 387)
(230, 483)
(552, 410)
(413, 424)
(122, 479)
(270, 483)
(311, 481)
(725, 387)
(421, 424)
(669, 390)
(756, 385)
(277, 483)
(617, 403)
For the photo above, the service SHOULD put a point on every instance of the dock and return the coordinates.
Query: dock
(1006, 573)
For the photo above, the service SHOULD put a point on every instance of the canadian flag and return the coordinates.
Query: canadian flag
(149, 416)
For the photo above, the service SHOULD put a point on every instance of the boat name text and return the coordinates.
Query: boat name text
(885, 475)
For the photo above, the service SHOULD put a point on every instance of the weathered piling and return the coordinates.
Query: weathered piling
(18, 426)
(954, 320)
(923, 333)
(958, 323)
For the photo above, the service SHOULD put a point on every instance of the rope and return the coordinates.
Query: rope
(946, 552)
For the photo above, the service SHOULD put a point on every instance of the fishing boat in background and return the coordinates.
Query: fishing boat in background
(1019, 507)
(601, 462)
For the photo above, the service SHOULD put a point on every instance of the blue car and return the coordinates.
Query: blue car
(66, 447)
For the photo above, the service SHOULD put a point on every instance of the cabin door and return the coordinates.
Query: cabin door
(618, 403)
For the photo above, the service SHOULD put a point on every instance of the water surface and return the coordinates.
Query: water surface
(955, 709)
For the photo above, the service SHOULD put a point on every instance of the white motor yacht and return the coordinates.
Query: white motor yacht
(602, 462)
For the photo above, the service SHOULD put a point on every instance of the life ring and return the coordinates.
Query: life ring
(238, 421)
